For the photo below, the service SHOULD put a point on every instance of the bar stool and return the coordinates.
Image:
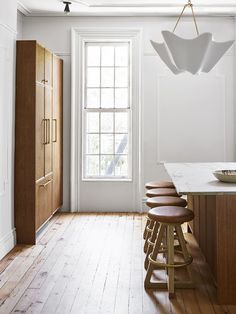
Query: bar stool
(169, 219)
(159, 185)
(157, 202)
(158, 192)
(155, 193)
(161, 192)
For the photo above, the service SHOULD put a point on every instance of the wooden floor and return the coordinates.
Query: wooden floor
(88, 263)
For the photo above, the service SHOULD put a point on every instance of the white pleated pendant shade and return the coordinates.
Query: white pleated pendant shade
(195, 55)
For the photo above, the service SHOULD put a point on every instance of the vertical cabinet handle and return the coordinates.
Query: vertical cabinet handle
(44, 131)
(48, 133)
(55, 131)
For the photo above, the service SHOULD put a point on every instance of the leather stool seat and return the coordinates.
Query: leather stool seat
(166, 201)
(171, 214)
(161, 192)
(159, 185)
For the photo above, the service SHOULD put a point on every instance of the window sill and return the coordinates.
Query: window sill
(105, 180)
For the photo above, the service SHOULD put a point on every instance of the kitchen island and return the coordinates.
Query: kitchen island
(214, 225)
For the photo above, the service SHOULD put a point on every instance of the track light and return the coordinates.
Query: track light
(67, 8)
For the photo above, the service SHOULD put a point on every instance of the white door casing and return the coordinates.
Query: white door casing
(94, 195)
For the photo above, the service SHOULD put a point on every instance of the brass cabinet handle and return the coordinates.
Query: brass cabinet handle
(44, 81)
(44, 131)
(48, 133)
(45, 184)
(55, 133)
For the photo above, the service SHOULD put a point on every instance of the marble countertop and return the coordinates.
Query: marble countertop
(198, 178)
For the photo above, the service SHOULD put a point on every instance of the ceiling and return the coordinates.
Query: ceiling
(125, 7)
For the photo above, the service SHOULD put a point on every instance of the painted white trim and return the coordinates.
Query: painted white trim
(78, 37)
(23, 9)
(134, 9)
(164, 14)
(7, 243)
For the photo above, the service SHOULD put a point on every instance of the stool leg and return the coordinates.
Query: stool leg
(150, 246)
(145, 230)
(182, 242)
(151, 225)
(170, 259)
(147, 282)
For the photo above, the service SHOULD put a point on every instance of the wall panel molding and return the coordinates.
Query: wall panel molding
(191, 126)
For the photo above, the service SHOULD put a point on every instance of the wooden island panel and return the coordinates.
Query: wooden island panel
(214, 229)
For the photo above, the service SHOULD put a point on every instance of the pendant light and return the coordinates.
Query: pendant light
(196, 55)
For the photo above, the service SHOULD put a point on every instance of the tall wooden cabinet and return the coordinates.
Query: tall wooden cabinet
(38, 138)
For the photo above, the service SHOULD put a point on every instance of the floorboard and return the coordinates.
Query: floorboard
(93, 264)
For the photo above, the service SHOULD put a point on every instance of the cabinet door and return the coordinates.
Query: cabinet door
(43, 201)
(48, 67)
(57, 133)
(39, 132)
(40, 71)
(48, 119)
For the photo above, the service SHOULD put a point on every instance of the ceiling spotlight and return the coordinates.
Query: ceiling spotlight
(67, 8)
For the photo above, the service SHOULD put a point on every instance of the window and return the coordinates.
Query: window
(107, 110)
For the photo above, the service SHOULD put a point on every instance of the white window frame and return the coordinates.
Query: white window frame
(78, 38)
(112, 42)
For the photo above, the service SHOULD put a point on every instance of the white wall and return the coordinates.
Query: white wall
(199, 111)
(7, 101)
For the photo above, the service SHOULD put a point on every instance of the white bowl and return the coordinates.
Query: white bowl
(228, 176)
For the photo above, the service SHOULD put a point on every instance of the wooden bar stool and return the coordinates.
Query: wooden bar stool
(161, 192)
(157, 202)
(159, 185)
(169, 219)
(155, 193)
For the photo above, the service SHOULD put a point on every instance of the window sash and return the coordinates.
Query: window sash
(114, 110)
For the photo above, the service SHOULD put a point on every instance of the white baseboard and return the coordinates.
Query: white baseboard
(7, 243)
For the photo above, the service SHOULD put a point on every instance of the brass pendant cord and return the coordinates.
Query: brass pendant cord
(190, 5)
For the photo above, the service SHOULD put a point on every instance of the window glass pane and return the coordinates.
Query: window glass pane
(92, 163)
(107, 77)
(108, 56)
(121, 98)
(121, 77)
(121, 143)
(107, 165)
(92, 144)
(93, 98)
(107, 143)
(92, 122)
(107, 98)
(107, 122)
(93, 56)
(121, 165)
(121, 56)
(121, 122)
(93, 77)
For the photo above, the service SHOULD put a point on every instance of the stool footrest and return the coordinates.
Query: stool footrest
(164, 285)
(175, 265)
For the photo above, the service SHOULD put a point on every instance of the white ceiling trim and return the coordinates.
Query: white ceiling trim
(22, 8)
(133, 9)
